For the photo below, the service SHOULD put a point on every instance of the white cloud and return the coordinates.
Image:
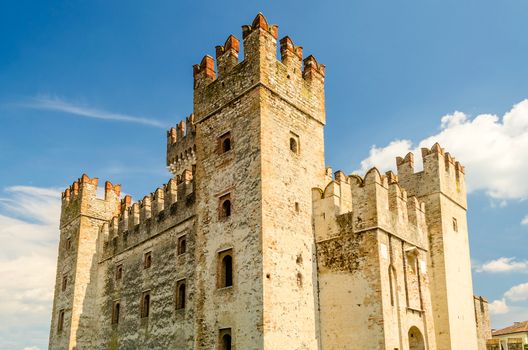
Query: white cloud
(31, 348)
(29, 231)
(518, 292)
(524, 221)
(60, 105)
(498, 307)
(492, 148)
(503, 265)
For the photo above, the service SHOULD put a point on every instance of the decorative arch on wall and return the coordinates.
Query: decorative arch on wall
(416, 339)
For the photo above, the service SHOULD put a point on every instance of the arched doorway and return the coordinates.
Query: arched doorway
(416, 340)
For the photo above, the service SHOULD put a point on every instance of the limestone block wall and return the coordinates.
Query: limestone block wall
(82, 216)
(263, 104)
(441, 186)
(482, 320)
(372, 264)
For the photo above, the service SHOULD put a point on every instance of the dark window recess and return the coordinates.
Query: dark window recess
(293, 145)
(119, 272)
(226, 269)
(115, 312)
(145, 304)
(147, 262)
(64, 282)
(225, 339)
(226, 143)
(455, 225)
(68, 244)
(180, 295)
(60, 321)
(182, 245)
(225, 209)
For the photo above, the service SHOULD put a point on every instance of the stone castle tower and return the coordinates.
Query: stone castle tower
(254, 244)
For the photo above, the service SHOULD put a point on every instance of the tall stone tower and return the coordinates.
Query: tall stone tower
(442, 187)
(259, 148)
(74, 304)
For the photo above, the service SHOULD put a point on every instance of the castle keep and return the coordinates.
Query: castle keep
(255, 244)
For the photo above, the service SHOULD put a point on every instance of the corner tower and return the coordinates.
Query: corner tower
(74, 304)
(441, 186)
(259, 150)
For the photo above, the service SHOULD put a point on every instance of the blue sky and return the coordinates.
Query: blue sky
(91, 86)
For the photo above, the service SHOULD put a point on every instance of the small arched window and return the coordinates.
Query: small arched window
(226, 143)
(119, 272)
(147, 263)
(145, 305)
(182, 245)
(227, 271)
(180, 302)
(294, 143)
(226, 342)
(224, 206)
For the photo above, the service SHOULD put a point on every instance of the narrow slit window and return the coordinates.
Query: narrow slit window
(226, 269)
(226, 143)
(60, 321)
(64, 282)
(180, 295)
(225, 209)
(147, 263)
(455, 225)
(182, 245)
(294, 143)
(225, 339)
(116, 309)
(145, 304)
(119, 272)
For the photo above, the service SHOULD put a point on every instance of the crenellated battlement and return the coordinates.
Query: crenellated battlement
(136, 221)
(260, 23)
(300, 80)
(441, 173)
(372, 201)
(227, 55)
(81, 198)
(181, 147)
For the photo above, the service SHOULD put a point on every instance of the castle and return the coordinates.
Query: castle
(255, 244)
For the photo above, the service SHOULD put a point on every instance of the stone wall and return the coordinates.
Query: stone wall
(482, 320)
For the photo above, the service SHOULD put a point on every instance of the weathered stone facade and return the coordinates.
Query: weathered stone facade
(254, 244)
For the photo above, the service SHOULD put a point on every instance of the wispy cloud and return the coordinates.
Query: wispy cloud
(60, 105)
(29, 231)
(524, 221)
(502, 265)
